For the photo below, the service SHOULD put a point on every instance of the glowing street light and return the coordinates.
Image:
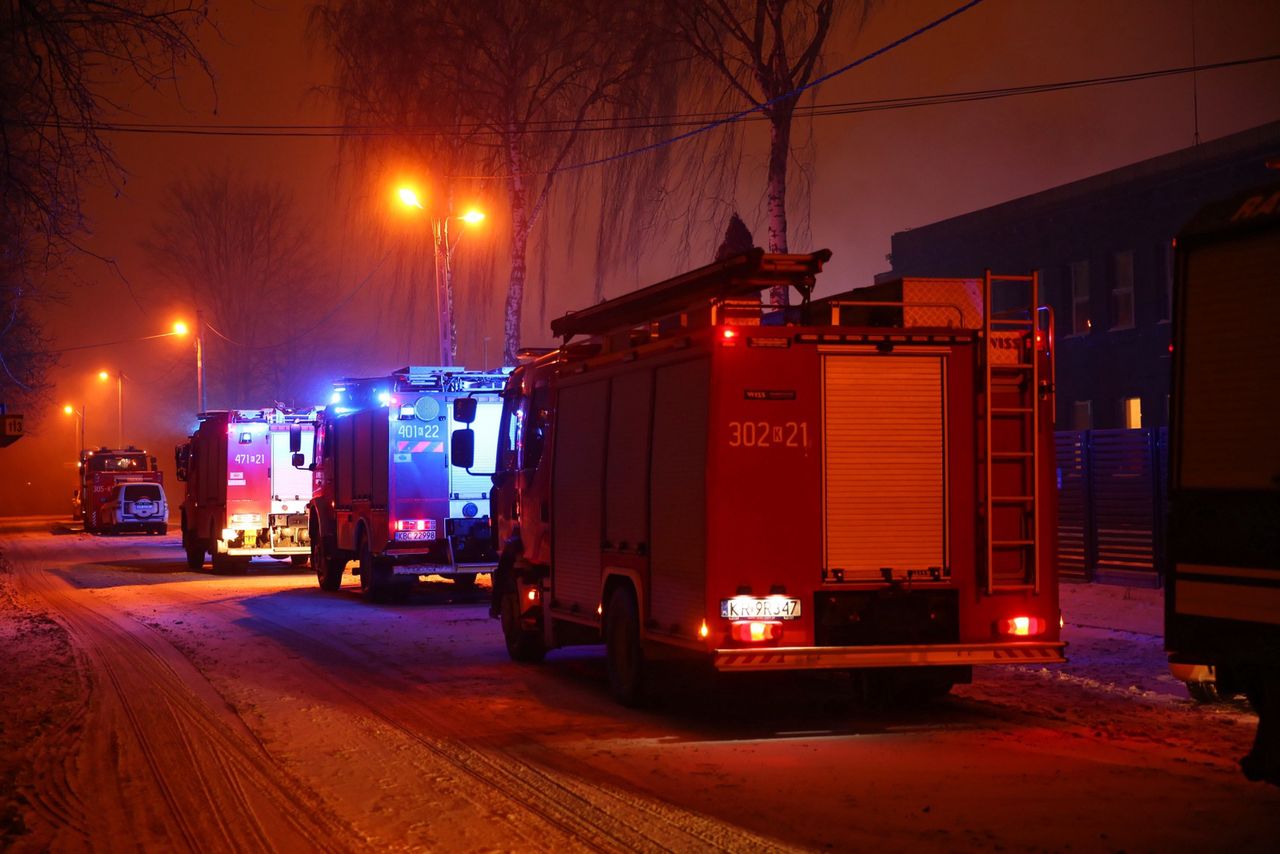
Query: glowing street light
(103, 376)
(78, 413)
(444, 247)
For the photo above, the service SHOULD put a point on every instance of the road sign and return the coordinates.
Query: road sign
(10, 429)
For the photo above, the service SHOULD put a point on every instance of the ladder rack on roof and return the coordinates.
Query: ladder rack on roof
(736, 278)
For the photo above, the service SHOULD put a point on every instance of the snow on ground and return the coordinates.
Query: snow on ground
(190, 711)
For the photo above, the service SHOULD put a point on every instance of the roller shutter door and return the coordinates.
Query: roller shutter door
(577, 498)
(884, 477)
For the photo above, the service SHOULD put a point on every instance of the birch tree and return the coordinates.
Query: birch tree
(526, 77)
(765, 50)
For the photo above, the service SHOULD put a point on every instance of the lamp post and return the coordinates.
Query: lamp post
(200, 404)
(104, 376)
(443, 246)
(78, 413)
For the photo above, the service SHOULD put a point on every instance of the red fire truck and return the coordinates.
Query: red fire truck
(863, 483)
(101, 472)
(244, 495)
(385, 495)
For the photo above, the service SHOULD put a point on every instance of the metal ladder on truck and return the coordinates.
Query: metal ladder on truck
(1012, 487)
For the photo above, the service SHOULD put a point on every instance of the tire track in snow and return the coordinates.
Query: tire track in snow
(600, 817)
(226, 793)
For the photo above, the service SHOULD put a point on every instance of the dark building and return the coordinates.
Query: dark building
(1103, 248)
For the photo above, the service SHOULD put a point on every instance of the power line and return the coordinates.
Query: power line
(842, 108)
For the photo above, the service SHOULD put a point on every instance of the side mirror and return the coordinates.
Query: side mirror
(464, 411)
(295, 442)
(462, 444)
(299, 459)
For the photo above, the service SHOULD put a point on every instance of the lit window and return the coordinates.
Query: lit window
(1122, 290)
(1080, 322)
(1133, 412)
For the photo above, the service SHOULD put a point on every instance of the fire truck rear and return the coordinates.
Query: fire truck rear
(861, 484)
(385, 495)
(101, 472)
(244, 496)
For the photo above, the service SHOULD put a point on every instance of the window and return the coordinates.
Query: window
(1122, 290)
(1079, 277)
(1133, 412)
(1082, 415)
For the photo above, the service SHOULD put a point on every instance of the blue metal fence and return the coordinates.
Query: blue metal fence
(1111, 504)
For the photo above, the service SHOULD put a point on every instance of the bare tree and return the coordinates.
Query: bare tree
(250, 264)
(59, 58)
(515, 83)
(766, 50)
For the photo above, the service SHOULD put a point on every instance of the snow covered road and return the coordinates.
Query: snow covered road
(148, 706)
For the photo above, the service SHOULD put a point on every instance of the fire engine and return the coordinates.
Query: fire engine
(244, 495)
(101, 472)
(862, 483)
(1222, 590)
(385, 495)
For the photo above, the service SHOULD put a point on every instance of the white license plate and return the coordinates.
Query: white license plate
(760, 608)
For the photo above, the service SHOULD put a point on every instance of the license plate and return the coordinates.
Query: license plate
(760, 608)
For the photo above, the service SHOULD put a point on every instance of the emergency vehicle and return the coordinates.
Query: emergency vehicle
(1222, 591)
(385, 495)
(244, 495)
(102, 471)
(862, 483)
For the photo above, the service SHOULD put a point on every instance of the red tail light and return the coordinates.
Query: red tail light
(1023, 626)
(756, 631)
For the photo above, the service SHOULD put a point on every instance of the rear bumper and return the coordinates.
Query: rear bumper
(418, 568)
(833, 657)
(279, 550)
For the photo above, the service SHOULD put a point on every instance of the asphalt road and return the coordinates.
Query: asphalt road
(147, 706)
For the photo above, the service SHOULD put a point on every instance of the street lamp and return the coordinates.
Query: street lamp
(78, 413)
(444, 247)
(104, 376)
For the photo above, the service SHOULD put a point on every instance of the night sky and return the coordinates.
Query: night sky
(870, 174)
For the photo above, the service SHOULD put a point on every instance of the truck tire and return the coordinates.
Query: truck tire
(523, 645)
(376, 579)
(624, 657)
(195, 553)
(328, 566)
(298, 560)
(464, 582)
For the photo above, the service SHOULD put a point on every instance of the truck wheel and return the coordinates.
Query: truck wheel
(328, 566)
(195, 553)
(523, 645)
(298, 560)
(624, 657)
(376, 579)
(464, 582)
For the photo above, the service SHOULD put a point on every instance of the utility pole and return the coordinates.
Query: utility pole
(200, 406)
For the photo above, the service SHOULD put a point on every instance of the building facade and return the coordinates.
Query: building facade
(1103, 247)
